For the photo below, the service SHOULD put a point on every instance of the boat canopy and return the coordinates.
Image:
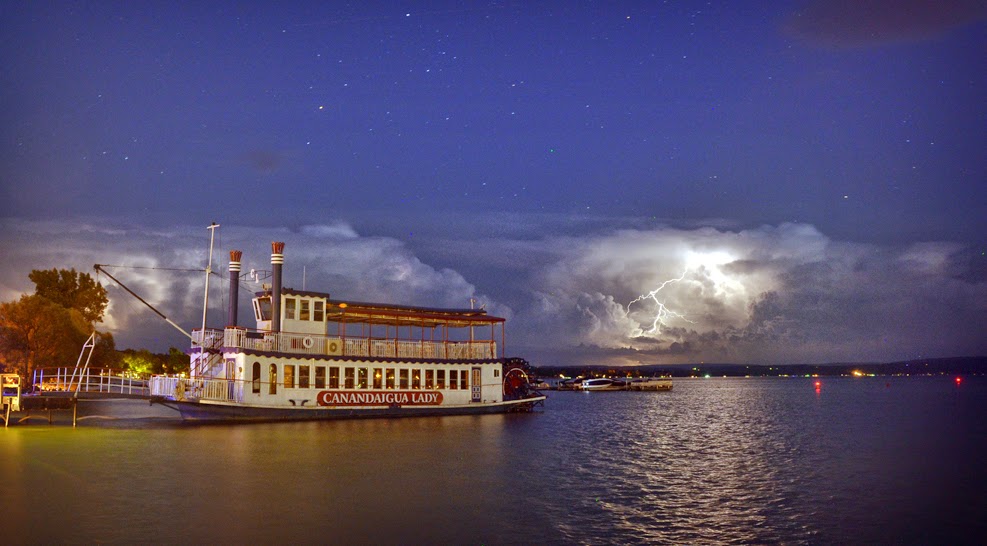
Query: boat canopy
(346, 311)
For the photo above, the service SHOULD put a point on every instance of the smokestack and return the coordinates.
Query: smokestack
(277, 261)
(235, 256)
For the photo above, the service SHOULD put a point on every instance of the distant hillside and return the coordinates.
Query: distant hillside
(971, 365)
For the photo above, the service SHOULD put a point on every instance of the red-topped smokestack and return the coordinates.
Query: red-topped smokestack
(277, 261)
(235, 256)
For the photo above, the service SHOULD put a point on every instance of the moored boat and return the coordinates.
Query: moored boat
(313, 356)
(628, 384)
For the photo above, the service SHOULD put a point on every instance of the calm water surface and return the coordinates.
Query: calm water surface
(716, 461)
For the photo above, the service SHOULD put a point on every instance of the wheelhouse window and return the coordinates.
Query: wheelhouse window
(320, 377)
(350, 377)
(289, 308)
(289, 376)
(303, 311)
(390, 378)
(440, 379)
(333, 377)
(303, 376)
(319, 311)
(262, 308)
(378, 378)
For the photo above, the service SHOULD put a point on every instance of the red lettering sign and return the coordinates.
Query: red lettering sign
(380, 398)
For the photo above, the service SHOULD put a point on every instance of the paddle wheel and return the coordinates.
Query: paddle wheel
(517, 378)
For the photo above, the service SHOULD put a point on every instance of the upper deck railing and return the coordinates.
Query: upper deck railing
(321, 345)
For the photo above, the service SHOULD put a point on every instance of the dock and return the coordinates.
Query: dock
(93, 393)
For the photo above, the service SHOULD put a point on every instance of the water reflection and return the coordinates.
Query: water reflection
(724, 461)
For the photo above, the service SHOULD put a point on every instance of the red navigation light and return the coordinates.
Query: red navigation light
(818, 385)
(958, 381)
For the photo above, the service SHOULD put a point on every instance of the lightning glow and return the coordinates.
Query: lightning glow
(662, 313)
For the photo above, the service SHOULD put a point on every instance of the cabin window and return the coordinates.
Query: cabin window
(303, 376)
(429, 379)
(416, 379)
(333, 377)
(390, 378)
(464, 380)
(289, 308)
(496, 372)
(453, 374)
(440, 379)
(349, 377)
(289, 376)
(255, 379)
(319, 312)
(303, 312)
(403, 378)
(272, 379)
(361, 378)
(378, 378)
(262, 308)
(320, 377)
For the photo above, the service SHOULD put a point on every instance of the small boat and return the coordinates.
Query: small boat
(629, 384)
(602, 384)
(314, 356)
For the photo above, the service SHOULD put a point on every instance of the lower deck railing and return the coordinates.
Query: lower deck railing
(89, 380)
(183, 388)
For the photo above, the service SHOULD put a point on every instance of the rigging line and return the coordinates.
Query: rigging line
(158, 268)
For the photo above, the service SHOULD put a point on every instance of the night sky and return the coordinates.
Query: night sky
(627, 182)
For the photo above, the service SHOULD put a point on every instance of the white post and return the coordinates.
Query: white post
(205, 301)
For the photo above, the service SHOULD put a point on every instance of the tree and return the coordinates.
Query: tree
(36, 332)
(142, 361)
(177, 361)
(72, 290)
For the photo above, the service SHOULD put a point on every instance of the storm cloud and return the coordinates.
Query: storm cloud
(771, 294)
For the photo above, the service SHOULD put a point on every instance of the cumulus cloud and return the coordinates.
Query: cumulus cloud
(782, 293)
(662, 295)
(328, 258)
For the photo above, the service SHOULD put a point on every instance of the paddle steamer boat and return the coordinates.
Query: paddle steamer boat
(313, 356)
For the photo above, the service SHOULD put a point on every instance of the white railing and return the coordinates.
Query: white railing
(318, 345)
(210, 339)
(181, 388)
(98, 380)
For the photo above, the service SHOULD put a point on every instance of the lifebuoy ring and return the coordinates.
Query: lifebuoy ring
(307, 342)
(333, 347)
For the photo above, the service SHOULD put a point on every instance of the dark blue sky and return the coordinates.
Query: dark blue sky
(509, 143)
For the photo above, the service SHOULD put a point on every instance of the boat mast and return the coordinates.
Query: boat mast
(205, 302)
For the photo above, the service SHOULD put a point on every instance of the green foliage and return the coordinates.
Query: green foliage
(143, 361)
(72, 290)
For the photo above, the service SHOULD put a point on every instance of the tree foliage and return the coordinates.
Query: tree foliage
(36, 332)
(72, 290)
(50, 327)
(144, 361)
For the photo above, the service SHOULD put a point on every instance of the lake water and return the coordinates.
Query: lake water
(715, 461)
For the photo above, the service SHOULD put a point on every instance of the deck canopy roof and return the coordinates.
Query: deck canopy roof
(348, 311)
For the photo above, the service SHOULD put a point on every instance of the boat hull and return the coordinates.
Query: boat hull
(208, 411)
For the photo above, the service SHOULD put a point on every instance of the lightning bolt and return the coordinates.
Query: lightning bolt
(662, 313)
